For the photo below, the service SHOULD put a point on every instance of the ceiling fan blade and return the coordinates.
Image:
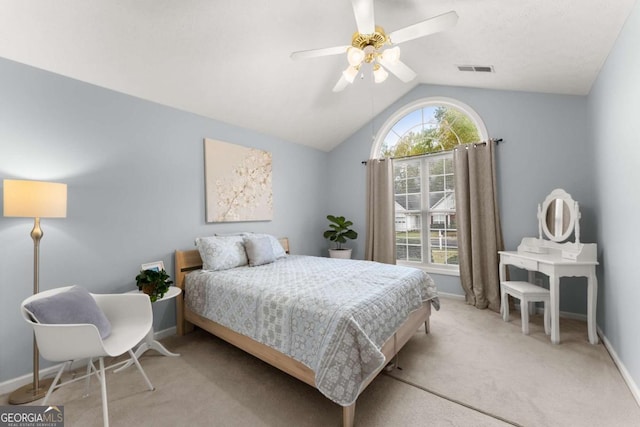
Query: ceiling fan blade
(342, 83)
(363, 11)
(424, 28)
(313, 53)
(399, 69)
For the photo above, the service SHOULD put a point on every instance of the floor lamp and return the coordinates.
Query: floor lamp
(34, 199)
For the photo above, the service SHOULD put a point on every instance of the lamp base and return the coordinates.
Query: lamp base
(26, 393)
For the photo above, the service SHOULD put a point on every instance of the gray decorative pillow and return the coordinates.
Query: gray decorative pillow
(278, 250)
(221, 252)
(259, 250)
(73, 306)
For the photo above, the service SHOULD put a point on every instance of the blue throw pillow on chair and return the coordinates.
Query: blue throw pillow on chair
(73, 306)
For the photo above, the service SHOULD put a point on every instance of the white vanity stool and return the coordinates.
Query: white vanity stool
(526, 292)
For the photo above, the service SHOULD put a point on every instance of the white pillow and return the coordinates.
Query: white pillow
(259, 250)
(278, 250)
(221, 252)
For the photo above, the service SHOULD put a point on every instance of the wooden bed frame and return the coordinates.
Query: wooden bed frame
(189, 260)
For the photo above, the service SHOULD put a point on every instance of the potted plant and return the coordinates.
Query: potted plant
(339, 233)
(154, 283)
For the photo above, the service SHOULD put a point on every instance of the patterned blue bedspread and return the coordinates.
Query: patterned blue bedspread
(332, 315)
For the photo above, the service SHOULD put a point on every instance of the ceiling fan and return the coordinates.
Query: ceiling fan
(367, 43)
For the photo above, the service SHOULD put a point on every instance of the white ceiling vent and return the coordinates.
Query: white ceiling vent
(476, 68)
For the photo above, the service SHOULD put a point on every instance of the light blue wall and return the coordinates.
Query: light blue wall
(545, 146)
(614, 110)
(135, 176)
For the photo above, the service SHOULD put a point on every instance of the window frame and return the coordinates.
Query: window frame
(425, 211)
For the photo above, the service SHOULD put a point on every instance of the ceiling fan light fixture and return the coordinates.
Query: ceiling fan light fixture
(355, 56)
(369, 41)
(379, 74)
(391, 55)
(350, 73)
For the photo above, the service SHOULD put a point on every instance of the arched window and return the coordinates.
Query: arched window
(420, 137)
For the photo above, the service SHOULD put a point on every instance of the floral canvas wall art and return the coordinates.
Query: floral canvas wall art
(237, 183)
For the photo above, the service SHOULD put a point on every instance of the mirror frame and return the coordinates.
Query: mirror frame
(559, 194)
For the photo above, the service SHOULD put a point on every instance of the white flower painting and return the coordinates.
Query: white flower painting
(238, 183)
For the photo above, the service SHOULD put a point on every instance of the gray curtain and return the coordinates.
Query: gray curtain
(478, 220)
(380, 243)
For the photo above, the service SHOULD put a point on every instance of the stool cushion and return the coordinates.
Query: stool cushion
(525, 288)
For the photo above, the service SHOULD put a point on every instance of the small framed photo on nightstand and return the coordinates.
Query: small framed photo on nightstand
(155, 266)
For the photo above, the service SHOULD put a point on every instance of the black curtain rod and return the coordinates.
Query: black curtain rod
(497, 141)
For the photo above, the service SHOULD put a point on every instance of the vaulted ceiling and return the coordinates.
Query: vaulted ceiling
(229, 60)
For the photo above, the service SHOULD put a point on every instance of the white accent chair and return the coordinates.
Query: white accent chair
(131, 319)
(526, 292)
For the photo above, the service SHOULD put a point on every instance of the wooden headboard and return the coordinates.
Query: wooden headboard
(189, 260)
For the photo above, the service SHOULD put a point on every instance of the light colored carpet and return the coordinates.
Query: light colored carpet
(472, 370)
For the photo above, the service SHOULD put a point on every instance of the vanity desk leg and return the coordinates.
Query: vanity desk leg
(592, 298)
(531, 277)
(554, 301)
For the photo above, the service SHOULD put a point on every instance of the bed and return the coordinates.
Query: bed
(332, 324)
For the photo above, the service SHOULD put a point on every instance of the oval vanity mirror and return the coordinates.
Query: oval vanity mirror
(558, 216)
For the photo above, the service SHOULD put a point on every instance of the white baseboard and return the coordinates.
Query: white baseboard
(15, 383)
(633, 387)
(451, 296)
(165, 333)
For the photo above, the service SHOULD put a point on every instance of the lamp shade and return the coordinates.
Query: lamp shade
(355, 56)
(34, 199)
(350, 74)
(391, 55)
(379, 74)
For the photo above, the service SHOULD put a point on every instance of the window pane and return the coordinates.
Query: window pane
(413, 202)
(451, 201)
(415, 253)
(449, 183)
(413, 185)
(407, 122)
(436, 200)
(436, 183)
(443, 239)
(413, 169)
(453, 226)
(414, 228)
(448, 165)
(401, 252)
(436, 167)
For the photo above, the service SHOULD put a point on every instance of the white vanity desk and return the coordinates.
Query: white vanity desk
(554, 266)
(558, 218)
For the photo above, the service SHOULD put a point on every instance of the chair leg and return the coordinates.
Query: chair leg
(103, 388)
(87, 383)
(55, 382)
(135, 360)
